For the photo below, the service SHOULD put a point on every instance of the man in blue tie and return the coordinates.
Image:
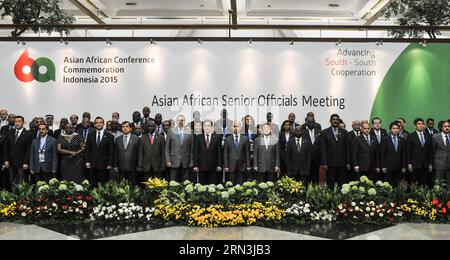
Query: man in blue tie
(393, 156)
(236, 159)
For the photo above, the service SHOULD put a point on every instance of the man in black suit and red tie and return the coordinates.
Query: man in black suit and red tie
(393, 156)
(18, 153)
(419, 155)
(334, 152)
(364, 154)
(100, 153)
(207, 155)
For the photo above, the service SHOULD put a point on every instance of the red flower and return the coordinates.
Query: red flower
(69, 198)
(90, 198)
(80, 197)
(448, 204)
(435, 202)
(392, 219)
(444, 211)
(65, 207)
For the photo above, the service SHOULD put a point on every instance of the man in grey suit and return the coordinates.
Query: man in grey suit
(151, 154)
(178, 150)
(126, 151)
(43, 155)
(441, 154)
(236, 161)
(266, 158)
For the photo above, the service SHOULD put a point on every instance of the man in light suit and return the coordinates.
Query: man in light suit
(127, 154)
(44, 155)
(236, 159)
(299, 157)
(266, 158)
(441, 154)
(178, 150)
(151, 154)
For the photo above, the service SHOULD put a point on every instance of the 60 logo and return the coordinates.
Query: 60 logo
(27, 69)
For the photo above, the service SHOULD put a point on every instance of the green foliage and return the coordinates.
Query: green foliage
(418, 13)
(35, 13)
(114, 193)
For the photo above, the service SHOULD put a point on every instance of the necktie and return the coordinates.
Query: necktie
(266, 140)
(125, 141)
(152, 139)
(17, 136)
(447, 140)
(180, 132)
(422, 140)
(367, 140)
(335, 131)
(299, 145)
(378, 136)
(312, 136)
(207, 141)
(85, 134)
(236, 141)
(99, 138)
(395, 143)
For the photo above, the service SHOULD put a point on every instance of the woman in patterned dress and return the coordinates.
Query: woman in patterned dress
(71, 147)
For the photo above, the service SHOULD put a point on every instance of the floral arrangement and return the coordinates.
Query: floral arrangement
(417, 211)
(123, 212)
(7, 211)
(369, 212)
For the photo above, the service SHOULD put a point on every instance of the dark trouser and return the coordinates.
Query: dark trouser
(209, 177)
(4, 180)
(237, 177)
(420, 176)
(16, 176)
(43, 176)
(314, 173)
(335, 175)
(180, 174)
(394, 177)
(99, 176)
(443, 175)
(130, 176)
(266, 176)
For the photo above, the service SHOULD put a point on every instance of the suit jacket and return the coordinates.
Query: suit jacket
(5, 130)
(81, 133)
(146, 120)
(218, 127)
(237, 157)
(416, 155)
(151, 157)
(266, 159)
(126, 158)
(441, 153)
(433, 131)
(3, 141)
(317, 126)
(207, 159)
(389, 158)
(383, 133)
(50, 153)
(177, 153)
(365, 155)
(334, 153)
(283, 147)
(80, 126)
(315, 153)
(299, 162)
(18, 152)
(100, 156)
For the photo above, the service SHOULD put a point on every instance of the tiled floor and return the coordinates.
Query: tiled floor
(13, 231)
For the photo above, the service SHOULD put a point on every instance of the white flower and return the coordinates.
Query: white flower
(78, 187)
(85, 182)
(63, 187)
(372, 192)
(353, 204)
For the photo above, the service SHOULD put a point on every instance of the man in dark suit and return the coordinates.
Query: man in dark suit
(224, 126)
(159, 124)
(377, 132)
(291, 118)
(236, 159)
(403, 133)
(126, 154)
(85, 115)
(335, 152)
(151, 154)
(441, 154)
(44, 155)
(164, 135)
(364, 155)
(316, 126)
(312, 134)
(430, 127)
(299, 157)
(207, 154)
(266, 157)
(136, 120)
(146, 119)
(356, 131)
(393, 156)
(4, 178)
(11, 125)
(100, 153)
(418, 155)
(286, 136)
(179, 146)
(197, 119)
(85, 130)
(18, 154)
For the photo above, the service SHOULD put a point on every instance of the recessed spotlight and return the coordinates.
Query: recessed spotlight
(291, 44)
(152, 43)
(380, 43)
(334, 5)
(250, 42)
(339, 42)
(200, 42)
(108, 42)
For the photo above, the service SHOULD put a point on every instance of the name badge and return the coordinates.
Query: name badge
(42, 156)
